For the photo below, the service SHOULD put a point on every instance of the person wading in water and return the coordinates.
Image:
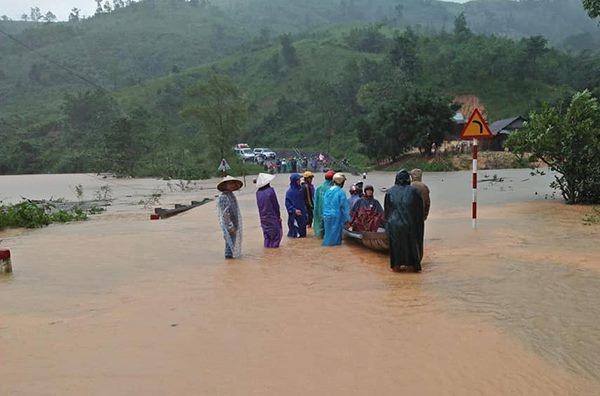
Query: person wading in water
(405, 225)
(268, 209)
(309, 196)
(336, 211)
(296, 208)
(318, 200)
(417, 182)
(229, 215)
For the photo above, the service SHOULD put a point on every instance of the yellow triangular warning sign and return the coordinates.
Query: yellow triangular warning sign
(476, 128)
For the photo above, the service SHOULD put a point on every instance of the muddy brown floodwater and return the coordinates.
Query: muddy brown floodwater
(121, 305)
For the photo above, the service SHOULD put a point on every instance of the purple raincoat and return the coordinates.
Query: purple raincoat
(270, 218)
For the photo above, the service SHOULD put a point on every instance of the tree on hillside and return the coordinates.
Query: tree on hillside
(117, 4)
(49, 17)
(5, 18)
(403, 53)
(221, 110)
(324, 98)
(123, 142)
(24, 17)
(413, 118)
(272, 66)
(288, 51)
(107, 7)
(461, 28)
(399, 8)
(367, 39)
(568, 142)
(535, 47)
(35, 14)
(592, 7)
(74, 15)
(98, 7)
(88, 116)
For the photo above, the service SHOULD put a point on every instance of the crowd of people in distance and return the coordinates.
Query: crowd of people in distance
(295, 164)
(328, 210)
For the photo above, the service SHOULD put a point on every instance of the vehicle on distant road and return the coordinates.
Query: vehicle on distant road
(265, 153)
(245, 154)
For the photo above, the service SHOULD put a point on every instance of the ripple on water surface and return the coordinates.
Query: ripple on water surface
(552, 308)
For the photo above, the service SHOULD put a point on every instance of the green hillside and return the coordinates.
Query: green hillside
(153, 38)
(107, 93)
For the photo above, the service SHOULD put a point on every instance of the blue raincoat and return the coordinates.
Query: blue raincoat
(336, 212)
(294, 200)
(318, 212)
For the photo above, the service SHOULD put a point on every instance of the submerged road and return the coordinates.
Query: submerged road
(120, 304)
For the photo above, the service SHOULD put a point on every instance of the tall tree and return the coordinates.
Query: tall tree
(568, 141)
(35, 14)
(461, 28)
(49, 17)
(410, 118)
(74, 15)
(403, 53)
(221, 110)
(288, 51)
(592, 7)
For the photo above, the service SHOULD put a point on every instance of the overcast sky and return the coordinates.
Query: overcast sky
(60, 8)
(15, 8)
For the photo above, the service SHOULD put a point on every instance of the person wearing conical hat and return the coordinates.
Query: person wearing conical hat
(230, 217)
(309, 195)
(318, 201)
(336, 211)
(268, 209)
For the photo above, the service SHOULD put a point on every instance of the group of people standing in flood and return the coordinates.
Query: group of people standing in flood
(329, 211)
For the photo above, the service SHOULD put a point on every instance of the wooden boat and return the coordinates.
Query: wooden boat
(372, 240)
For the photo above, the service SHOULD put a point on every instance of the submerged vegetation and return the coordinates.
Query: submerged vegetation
(29, 215)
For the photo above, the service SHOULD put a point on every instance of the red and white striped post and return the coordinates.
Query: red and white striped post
(474, 202)
(476, 128)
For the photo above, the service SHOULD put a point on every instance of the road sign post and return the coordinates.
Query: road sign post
(476, 128)
(474, 201)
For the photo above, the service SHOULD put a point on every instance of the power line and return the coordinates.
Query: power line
(58, 64)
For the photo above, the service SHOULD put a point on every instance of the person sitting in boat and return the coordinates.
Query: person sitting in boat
(354, 198)
(367, 213)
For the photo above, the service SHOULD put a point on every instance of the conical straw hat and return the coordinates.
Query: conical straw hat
(263, 179)
(229, 184)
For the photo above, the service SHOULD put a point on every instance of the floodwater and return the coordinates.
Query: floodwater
(120, 304)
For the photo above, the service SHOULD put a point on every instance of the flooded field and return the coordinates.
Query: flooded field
(120, 304)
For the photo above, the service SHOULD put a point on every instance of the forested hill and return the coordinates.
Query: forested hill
(108, 92)
(153, 38)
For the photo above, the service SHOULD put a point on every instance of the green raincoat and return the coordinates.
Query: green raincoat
(318, 225)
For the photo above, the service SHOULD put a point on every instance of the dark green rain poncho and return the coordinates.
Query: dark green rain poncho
(404, 223)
